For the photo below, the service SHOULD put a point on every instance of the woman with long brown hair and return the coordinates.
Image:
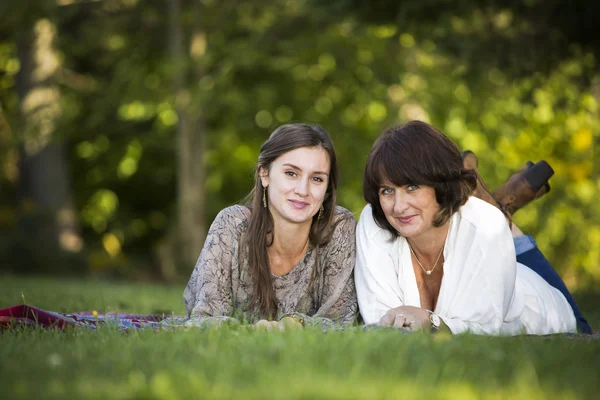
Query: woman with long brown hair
(289, 252)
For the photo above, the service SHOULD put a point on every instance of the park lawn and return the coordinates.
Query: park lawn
(239, 363)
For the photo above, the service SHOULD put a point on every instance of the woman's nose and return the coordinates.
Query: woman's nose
(302, 187)
(400, 204)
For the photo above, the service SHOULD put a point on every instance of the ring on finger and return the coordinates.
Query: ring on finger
(412, 325)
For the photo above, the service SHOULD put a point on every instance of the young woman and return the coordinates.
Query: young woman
(289, 252)
(429, 256)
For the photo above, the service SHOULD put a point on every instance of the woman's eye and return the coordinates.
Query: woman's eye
(411, 187)
(386, 191)
(291, 173)
(318, 179)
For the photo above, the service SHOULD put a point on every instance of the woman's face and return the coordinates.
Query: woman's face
(410, 209)
(297, 182)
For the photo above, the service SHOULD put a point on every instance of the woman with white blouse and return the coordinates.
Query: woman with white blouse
(432, 256)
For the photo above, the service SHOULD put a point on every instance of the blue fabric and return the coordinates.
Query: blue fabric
(524, 243)
(528, 254)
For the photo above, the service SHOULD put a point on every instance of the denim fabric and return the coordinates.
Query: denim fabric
(524, 243)
(528, 254)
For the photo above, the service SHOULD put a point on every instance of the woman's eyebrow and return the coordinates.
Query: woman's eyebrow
(300, 169)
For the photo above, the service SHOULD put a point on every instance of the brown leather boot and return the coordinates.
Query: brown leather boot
(526, 185)
(543, 190)
(470, 161)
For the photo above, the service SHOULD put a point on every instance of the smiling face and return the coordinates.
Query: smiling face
(297, 183)
(410, 209)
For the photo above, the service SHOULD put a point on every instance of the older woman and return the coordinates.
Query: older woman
(431, 256)
(290, 251)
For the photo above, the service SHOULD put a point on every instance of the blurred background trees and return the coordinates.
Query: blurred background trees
(126, 125)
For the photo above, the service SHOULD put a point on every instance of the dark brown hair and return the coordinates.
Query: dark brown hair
(417, 153)
(285, 138)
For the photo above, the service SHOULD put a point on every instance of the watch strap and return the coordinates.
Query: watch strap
(434, 320)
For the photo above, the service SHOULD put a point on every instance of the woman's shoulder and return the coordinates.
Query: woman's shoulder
(370, 235)
(366, 216)
(487, 220)
(343, 224)
(234, 217)
(342, 214)
(369, 227)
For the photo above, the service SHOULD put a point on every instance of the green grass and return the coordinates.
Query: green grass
(238, 363)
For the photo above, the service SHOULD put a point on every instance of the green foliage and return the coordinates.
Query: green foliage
(237, 362)
(74, 295)
(469, 69)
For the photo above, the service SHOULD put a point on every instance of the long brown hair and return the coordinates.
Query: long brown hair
(285, 138)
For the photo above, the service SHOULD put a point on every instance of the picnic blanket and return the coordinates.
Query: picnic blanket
(25, 315)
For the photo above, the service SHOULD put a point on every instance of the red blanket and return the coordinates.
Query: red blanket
(24, 315)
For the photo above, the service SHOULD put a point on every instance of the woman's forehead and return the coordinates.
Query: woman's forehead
(312, 159)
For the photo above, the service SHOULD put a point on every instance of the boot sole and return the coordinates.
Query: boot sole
(538, 175)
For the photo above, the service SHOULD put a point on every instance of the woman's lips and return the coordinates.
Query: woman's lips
(405, 220)
(298, 204)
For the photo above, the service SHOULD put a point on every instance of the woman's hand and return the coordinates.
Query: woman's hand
(407, 317)
(265, 325)
(285, 324)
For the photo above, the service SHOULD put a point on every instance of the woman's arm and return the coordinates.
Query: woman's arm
(376, 279)
(338, 291)
(208, 296)
(478, 291)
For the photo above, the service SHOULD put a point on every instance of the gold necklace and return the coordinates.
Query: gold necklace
(428, 272)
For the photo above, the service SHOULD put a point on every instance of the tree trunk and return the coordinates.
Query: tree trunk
(5, 137)
(180, 251)
(49, 218)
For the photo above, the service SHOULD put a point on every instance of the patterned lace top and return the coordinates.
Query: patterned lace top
(221, 284)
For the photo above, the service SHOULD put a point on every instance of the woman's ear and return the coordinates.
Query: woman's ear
(264, 176)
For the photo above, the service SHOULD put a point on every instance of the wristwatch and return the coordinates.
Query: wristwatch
(435, 321)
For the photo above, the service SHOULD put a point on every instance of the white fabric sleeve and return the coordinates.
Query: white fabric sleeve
(373, 267)
(483, 292)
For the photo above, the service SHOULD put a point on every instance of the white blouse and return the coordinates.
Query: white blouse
(484, 289)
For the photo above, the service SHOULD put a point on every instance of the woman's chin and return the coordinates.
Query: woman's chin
(299, 216)
(409, 232)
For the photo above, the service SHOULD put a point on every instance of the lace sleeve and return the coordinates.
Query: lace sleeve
(339, 301)
(209, 291)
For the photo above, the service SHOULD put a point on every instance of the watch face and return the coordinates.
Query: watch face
(435, 320)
